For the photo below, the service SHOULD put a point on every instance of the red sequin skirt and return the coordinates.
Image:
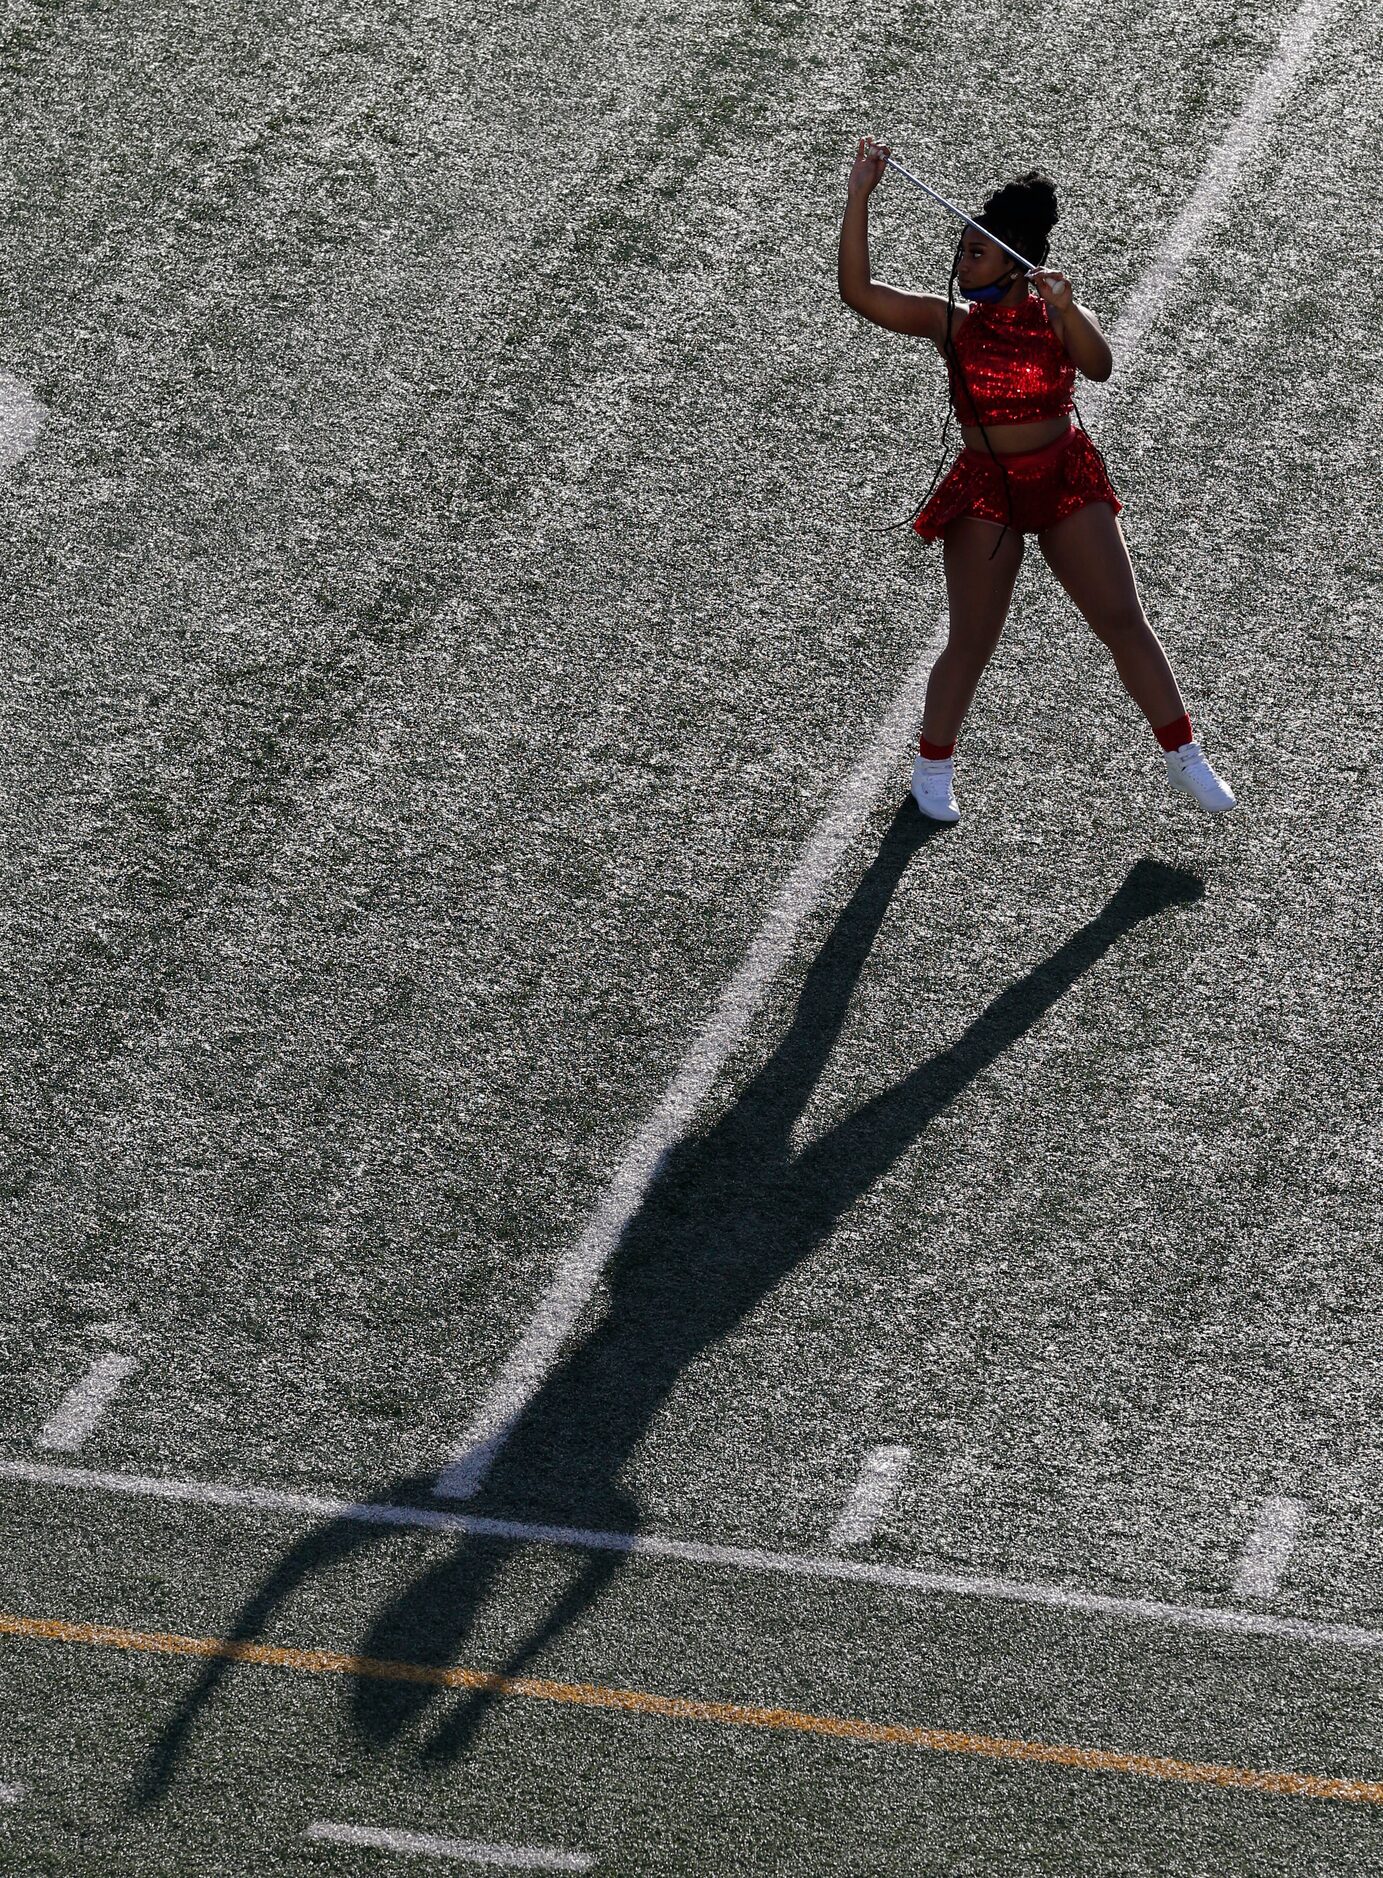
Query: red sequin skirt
(1045, 486)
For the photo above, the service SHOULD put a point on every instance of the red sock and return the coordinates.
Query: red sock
(935, 751)
(1173, 735)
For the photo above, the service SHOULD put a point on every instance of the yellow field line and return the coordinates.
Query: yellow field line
(727, 1714)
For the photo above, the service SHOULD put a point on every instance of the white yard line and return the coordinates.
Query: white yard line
(22, 417)
(881, 1475)
(510, 1857)
(320, 1507)
(1268, 1549)
(84, 1405)
(1219, 176)
(579, 1269)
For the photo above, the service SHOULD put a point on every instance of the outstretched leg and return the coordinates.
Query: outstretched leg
(1088, 555)
(978, 592)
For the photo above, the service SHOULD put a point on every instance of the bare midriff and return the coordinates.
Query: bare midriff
(1011, 439)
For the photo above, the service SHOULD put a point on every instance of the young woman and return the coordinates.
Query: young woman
(1012, 360)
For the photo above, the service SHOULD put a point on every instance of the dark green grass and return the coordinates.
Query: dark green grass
(439, 608)
(138, 1764)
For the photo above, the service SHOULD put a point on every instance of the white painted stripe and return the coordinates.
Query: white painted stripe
(1218, 178)
(875, 1491)
(579, 1269)
(84, 1405)
(319, 1507)
(512, 1857)
(22, 417)
(1268, 1549)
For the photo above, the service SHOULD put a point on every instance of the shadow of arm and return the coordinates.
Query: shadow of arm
(860, 1149)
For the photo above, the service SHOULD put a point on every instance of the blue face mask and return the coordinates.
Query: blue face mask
(994, 291)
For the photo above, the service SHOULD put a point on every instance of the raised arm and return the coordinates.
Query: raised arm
(1086, 346)
(1085, 343)
(920, 313)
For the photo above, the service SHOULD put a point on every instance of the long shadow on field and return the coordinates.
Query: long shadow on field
(731, 1213)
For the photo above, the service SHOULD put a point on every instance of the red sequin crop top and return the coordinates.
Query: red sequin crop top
(1016, 369)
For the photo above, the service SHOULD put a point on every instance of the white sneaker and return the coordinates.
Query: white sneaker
(1188, 769)
(932, 788)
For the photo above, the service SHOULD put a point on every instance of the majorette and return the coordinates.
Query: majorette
(1012, 360)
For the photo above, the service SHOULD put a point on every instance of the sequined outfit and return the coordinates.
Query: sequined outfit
(1015, 370)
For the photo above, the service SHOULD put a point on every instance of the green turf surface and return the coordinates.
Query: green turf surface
(199, 1778)
(440, 606)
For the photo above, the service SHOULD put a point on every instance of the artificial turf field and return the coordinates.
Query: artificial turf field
(443, 601)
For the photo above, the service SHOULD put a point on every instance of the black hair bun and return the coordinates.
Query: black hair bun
(1024, 212)
(1029, 198)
